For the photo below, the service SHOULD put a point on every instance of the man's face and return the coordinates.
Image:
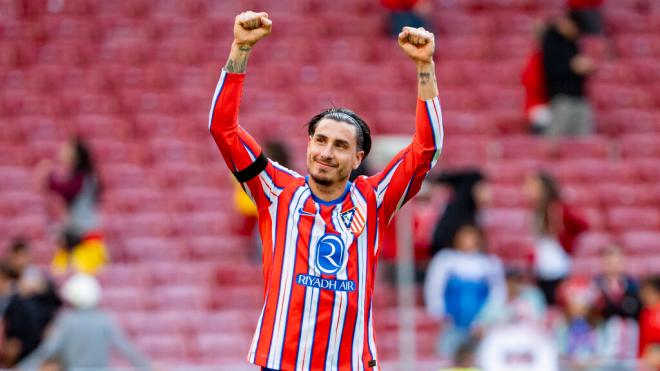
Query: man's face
(332, 152)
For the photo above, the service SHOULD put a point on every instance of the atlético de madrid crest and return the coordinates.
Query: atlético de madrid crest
(354, 220)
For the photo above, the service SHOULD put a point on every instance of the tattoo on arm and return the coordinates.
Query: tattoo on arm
(425, 77)
(238, 63)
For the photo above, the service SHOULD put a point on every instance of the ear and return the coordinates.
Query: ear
(359, 156)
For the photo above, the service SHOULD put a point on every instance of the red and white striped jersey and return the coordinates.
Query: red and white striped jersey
(319, 257)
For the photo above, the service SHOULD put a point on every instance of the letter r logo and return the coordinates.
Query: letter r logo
(330, 254)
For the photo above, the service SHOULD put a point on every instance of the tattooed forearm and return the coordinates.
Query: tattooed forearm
(427, 85)
(424, 77)
(237, 62)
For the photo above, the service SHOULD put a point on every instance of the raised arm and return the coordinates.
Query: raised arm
(419, 45)
(249, 27)
(243, 155)
(403, 176)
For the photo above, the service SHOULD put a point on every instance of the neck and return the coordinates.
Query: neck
(327, 192)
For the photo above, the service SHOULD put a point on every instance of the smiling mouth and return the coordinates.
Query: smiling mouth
(323, 164)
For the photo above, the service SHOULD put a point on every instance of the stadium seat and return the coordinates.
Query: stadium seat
(628, 218)
(588, 148)
(181, 297)
(154, 249)
(641, 242)
(164, 347)
(640, 146)
(624, 195)
(125, 298)
(591, 243)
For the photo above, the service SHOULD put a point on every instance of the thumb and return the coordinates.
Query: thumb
(403, 36)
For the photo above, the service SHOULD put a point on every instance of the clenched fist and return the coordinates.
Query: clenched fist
(250, 27)
(418, 43)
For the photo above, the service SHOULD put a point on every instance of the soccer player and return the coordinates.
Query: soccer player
(320, 232)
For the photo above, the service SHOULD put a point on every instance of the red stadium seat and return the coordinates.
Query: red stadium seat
(508, 196)
(526, 148)
(126, 298)
(580, 195)
(615, 195)
(165, 347)
(181, 297)
(648, 169)
(641, 242)
(637, 45)
(591, 243)
(192, 273)
(212, 248)
(153, 249)
(627, 218)
(587, 148)
(640, 146)
(508, 219)
(217, 348)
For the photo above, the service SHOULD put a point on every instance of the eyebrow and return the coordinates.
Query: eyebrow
(339, 141)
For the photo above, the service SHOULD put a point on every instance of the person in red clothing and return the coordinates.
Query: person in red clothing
(556, 227)
(649, 318)
(411, 13)
(321, 233)
(536, 99)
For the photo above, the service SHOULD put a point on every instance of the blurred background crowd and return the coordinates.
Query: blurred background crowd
(536, 241)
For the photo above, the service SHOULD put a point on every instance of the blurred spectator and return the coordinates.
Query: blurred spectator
(651, 358)
(578, 338)
(649, 318)
(465, 358)
(83, 337)
(86, 254)
(537, 109)
(619, 305)
(79, 187)
(244, 205)
(517, 347)
(556, 226)
(21, 331)
(619, 293)
(81, 245)
(524, 304)
(459, 282)
(566, 71)
(587, 12)
(470, 194)
(33, 284)
(411, 13)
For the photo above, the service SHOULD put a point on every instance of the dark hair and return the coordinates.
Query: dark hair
(349, 117)
(652, 282)
(277, 152)
(18, 245)
(6, 271)
(550, 195)
(84, 162)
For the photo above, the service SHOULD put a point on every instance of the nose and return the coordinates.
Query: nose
(326, 152)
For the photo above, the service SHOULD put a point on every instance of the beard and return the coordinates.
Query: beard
(326, 180)
(321, 180)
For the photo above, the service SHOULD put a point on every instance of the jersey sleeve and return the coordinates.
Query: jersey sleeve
(402, 177)
(238, 148)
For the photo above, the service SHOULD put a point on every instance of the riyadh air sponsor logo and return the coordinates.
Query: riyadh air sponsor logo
(330, 254)
(325, 283)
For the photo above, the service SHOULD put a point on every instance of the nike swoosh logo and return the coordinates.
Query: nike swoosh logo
(303, 212)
